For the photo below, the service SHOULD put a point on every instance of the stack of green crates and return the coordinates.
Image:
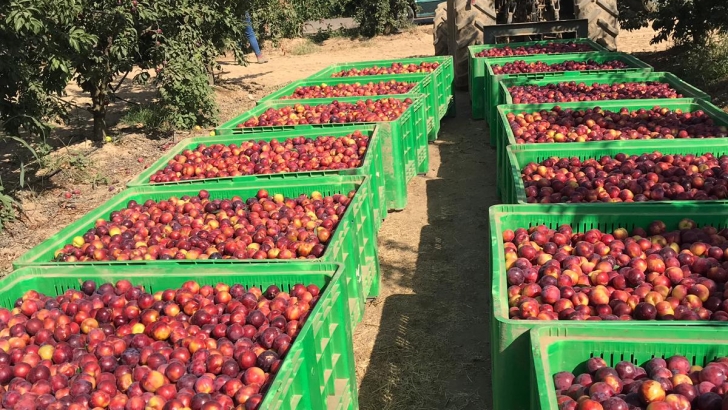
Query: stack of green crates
(491, 82)
(686, 90)
(440, 91)
(506, 137)
(372, 166)
(423, 84)
(353, 243)
(313, 375)
(404, 140)
(476, 78)
(319, 370)
(510, 339)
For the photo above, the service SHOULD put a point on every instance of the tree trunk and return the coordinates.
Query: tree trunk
(98, 110)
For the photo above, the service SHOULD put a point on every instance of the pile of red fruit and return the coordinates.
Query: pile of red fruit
(381, 110)
(350, 90)
(522, 67)
(395, 68)
(672, 384)
(646, 275)
(627, 178)
(548, 48)
(121, 348)
(572, 92)
(198, 227)
(597, 124)
(260, 157)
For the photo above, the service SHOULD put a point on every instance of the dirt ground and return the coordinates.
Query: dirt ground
(424, 343)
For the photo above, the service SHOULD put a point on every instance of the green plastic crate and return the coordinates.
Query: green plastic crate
(442, 77)
(476, 73)
(404, 141)
(318, 371)
(510, 339)
(557, 349)
(424, 85)
(687, 90)
(491, 81)
(506, 137)
(353, 243)
(521, 155)
(372, 166)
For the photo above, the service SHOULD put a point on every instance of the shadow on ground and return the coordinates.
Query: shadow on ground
(432, 347)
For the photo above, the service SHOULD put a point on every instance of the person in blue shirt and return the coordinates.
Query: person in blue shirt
(250, 34)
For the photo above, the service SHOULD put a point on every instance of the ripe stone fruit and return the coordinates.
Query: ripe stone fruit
(573, 91)
(657, 273)
(394, 68)
(336, 112)
(253, 157)
(179, 361)
(324, 90)
(629, 178)
(597, 124)
(547, 48)
(646, 387)
(198, 227)
(523, 67)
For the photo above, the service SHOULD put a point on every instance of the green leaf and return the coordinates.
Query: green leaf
(25, 144)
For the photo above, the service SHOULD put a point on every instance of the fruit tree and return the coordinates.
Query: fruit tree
(99, 43)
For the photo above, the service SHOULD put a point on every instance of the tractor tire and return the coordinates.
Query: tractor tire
(603, 17)
(439, 30)
(463, 21)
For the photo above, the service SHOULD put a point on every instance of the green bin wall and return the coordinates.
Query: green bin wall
(317, 372)
(510, 339)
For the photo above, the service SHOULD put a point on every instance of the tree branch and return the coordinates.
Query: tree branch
(115, 89)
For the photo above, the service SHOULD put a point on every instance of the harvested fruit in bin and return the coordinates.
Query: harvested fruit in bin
(627, 178)
(523, 67)
(655, 274)
(671, 383)
(119, 347)
(548, 48)
(394, 68)
(298, 154)
(598, 124)
(381, 110)
(267, 226)
(324, 90)
(573, 92)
